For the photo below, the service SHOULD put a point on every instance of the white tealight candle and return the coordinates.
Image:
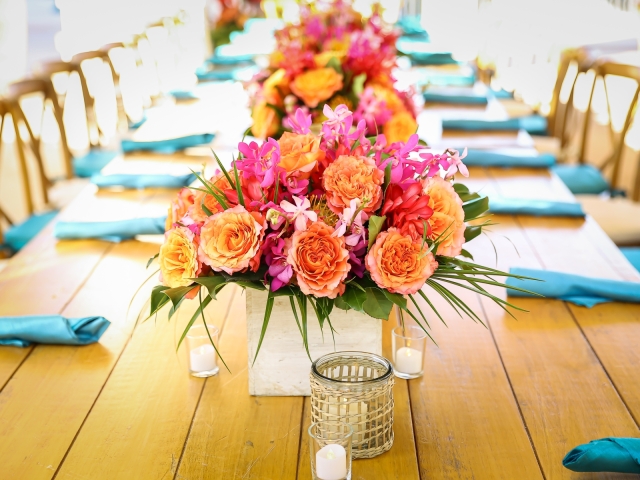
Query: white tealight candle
(331, 462)
(203, 358)
(408, 360)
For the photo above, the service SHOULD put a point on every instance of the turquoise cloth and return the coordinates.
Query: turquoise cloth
(53, 329)
(220, 57)
(463, 97)
(582, 179)
(19, 235)
(432, 58)
(534, 124)
(583, 291)
(220, 74)
(444, 78)
(487, 158)
(138, 124)
(633, 255)
(143, 181)
(92, 162)
(410, 25)
(115, 231)
(538, 208)
(619, 455)
(169, 146)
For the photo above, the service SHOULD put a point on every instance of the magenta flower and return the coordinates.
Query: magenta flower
(275, 256)
(299, 122)
(260, 161)
(372, 110)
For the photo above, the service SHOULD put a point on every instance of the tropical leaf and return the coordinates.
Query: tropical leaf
(265, 323)
(358, 83)
(213, 284)
(377, 305)
(176, 295)
(471, 232)
(195, 316)
(158, 298)
(354, 297)
(475, 208)
(152, 259)
(396, 298)
(375, 226)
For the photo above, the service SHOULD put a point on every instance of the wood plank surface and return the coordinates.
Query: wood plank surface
(564, 393)
(235, 435)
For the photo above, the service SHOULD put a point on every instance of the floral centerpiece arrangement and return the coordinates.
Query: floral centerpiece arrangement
(331, 220)
(333, 57)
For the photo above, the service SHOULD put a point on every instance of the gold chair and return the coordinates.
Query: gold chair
(28, 140)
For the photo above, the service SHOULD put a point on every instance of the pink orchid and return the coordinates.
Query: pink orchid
(299, 212)
(352, 218)
(456, 163)
(275, 257)
(299, 122)
(260, 161)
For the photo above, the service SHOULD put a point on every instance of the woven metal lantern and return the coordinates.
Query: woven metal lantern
(356, 388)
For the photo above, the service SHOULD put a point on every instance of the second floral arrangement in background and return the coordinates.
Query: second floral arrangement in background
(337, 219)
(333, 57)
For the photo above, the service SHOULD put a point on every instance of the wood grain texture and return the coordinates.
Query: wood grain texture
(562, 389)
(146, 406)
(235, 435)
(401, 461)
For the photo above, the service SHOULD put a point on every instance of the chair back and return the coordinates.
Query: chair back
(4, 218)
(621, 115)
(27, 101)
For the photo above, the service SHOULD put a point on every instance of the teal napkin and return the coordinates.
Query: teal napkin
(143, 180)
(633, 255)
(138, 124)
(19, 235)
(620, 455)
(534, 124)
(462, 97)
(222, 74)
(221, 57)
(410, 25)
(92, 162)
(54, 329)
(538, 208)
(171, 145)
(432, 58)
(582, 179)
(440, 78)
(583, 291)
(115, 231)
(487, 158)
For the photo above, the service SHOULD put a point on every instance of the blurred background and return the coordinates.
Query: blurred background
(110, 62)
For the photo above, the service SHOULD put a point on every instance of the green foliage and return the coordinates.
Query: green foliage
(375, 226)
(358, 83)
(475, 208)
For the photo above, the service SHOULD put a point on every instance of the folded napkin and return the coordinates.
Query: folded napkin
(534, 124)
(432, 58)
(92, 162)
(583, 291)
(620, 455)
(171, 145)
(54, 329)
(221, 57)
(538, 208)
(487, 158)
(115, 231)
(143, 180)
(138, 124)
(411, 25)
(462, 97)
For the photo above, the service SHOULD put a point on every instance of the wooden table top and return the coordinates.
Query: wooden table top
(507, 401)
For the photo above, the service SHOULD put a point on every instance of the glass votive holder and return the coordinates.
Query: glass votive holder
(330, 449)
(408, 345)
(203, 359)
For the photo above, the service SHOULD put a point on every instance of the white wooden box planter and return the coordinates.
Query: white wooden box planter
(283, 367)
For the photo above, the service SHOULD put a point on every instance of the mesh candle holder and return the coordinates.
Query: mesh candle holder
(355, 388)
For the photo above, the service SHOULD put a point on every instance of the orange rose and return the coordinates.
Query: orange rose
(400, 127)
(230, 241)
(179, 207)
(300, 153)
(352, 177)
(319, 260)
(276, 87)
(447, 220)
(317, 85)
(265, 121)
(179, 258)
(398, 263)
(196, 212)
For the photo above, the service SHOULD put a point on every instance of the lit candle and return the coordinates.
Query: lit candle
(203, 358)
(408, 360)
(331, 462)
(353, 413)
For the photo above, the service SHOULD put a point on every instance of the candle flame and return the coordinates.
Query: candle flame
(330, 454)
(408, 352)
